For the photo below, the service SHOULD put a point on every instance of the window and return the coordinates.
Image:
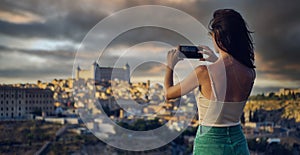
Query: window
(19, 108)
(1, 109)
(20, 102)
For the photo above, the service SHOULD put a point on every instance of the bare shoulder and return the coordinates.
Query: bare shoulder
(202, 74)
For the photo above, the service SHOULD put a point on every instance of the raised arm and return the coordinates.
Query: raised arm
(189, 83)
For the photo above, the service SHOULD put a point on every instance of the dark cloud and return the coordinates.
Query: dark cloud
(275, 23)
(145, 34)
(36, 73)
(54, 54)
(62, 20)
(4, 48)
(277, 38)
(46, 65)
(71, 27)
(57, 65)
(149, 33)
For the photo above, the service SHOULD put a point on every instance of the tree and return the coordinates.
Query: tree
(271, 95)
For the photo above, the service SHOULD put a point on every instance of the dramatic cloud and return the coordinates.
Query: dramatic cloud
(20, 17)
(38, 39)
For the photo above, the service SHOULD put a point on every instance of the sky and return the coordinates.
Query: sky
(39, 38)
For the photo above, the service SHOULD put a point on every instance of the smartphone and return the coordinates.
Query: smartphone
(189, 52)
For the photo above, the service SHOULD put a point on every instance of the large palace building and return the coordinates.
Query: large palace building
(99, 73)
(17, 102)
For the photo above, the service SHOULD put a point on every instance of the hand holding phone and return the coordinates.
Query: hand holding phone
(190, 52)
(211, 56)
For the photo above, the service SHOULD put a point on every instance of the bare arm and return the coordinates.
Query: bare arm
(189, 83)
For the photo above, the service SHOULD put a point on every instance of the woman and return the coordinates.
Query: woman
(224, 86)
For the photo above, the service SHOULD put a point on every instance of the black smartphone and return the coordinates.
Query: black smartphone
(190, 52)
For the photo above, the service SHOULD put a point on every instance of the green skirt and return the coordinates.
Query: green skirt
(220, 141)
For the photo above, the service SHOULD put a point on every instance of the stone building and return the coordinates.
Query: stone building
(16, 102)
(100, 73)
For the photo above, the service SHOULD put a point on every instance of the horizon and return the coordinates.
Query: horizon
(255, 91)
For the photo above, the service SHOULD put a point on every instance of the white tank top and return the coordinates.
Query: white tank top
(219, 113)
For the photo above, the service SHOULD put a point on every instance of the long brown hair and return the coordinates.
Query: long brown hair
(232, 35)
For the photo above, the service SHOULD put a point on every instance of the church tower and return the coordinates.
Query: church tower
(94, 70)
(77, 72)
(127, 71)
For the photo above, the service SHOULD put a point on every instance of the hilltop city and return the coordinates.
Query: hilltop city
(271, 121)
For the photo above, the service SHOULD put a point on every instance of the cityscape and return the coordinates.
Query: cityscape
(87, 76)
(46, 115)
